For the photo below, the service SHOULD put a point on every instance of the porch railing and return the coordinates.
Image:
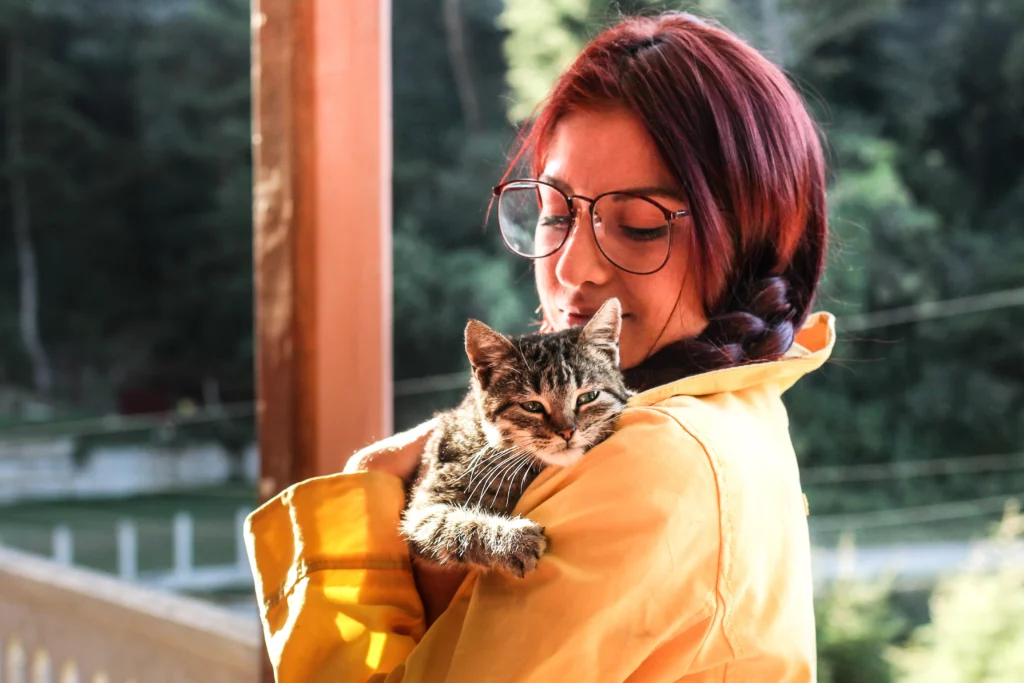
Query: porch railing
(63, 624)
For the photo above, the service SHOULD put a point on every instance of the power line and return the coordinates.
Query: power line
(452, 381)
(912, 468)
(932, 310)
(432, 383)
(117, 424)
(929, 310)
(911, 515)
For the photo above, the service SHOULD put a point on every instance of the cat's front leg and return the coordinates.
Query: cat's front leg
(447, 534)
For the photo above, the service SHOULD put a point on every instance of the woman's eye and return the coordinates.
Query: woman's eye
(532, 407)
(556, 222)
(588, 397)
(644, 234)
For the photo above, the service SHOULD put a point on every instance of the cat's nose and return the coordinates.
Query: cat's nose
(567, 434)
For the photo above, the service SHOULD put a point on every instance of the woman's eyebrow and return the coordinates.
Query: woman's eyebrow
(552, 180)
(647, 190)
(654, 191)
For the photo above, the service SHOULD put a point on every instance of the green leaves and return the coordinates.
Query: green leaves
(137, 159)
(855, 625)
(976, 634)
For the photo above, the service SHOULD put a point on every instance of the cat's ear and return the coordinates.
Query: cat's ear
(485, 348)
(605, 327)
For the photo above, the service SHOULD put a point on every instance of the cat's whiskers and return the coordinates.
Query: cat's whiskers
(483, 485)
(498, 454)
(488, 466)
(473, 462)
(528, 464)
(522, 484)
(480, 459)
(511, 474)
(600, 429)
(497, 470)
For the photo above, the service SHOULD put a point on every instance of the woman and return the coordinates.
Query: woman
(678, 549)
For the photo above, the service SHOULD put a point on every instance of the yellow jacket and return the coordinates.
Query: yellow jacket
(678, 550)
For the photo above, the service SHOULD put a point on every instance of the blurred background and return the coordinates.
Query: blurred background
(127, 436)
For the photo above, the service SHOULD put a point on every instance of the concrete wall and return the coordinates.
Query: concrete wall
(46, 470)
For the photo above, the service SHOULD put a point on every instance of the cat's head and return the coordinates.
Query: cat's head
(555, 395)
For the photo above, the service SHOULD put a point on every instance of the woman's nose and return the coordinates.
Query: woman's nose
(580, 260)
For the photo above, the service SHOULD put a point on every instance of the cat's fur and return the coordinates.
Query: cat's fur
(483, 454)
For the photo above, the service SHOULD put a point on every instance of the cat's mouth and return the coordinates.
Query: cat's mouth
(561, 457)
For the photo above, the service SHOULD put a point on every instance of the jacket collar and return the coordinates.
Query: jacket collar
(810, 350)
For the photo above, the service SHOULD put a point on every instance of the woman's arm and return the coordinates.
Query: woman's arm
(400, 455)
(337, 596)
(631, 569)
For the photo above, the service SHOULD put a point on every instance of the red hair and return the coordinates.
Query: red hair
(738, 139)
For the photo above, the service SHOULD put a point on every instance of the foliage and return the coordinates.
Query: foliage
(139, 192)
(138, 173)
(976, 634)
(137, 164)
(855, 626)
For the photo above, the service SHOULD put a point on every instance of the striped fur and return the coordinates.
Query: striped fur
(486, 452)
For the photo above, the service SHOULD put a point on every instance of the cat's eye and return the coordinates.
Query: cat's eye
(586, 398)
(532, 406)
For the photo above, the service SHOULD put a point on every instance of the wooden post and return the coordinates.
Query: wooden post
(322, 243)
(322, 158)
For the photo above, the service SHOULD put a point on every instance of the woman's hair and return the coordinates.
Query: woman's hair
(737, 137)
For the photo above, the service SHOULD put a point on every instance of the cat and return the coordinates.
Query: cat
(534, 401)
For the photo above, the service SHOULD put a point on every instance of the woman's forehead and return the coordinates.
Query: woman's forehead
(591, 152)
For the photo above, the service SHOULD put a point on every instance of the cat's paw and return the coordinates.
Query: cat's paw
(523, 544)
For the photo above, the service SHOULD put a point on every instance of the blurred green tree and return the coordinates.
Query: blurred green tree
(977, 630)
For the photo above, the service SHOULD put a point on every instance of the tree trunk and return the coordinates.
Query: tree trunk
(28, 275)
(774, 31)
(456, 40)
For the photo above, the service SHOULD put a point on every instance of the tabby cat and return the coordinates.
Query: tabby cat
(535, 400)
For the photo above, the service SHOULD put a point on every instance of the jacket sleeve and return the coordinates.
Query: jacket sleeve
(630, 571)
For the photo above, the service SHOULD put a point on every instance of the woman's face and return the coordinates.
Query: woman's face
(593, 152)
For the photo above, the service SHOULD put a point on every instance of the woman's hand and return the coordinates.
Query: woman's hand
(401, 455)
(436, 587)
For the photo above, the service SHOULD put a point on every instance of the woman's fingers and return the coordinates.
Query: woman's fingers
(399, 454)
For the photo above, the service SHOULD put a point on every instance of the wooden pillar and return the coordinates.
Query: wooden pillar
(321, 73)
(322, 196)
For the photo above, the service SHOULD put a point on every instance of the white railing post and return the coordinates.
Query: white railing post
(69, 673)
(41, 671)
(63, 545)
(241, 555)
(15, 663)
(127, 550)
(846, 555)
(183, 531)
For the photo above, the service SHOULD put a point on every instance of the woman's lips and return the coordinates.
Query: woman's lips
(574, 318)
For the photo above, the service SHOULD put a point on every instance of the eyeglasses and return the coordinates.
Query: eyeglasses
(631, 230)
